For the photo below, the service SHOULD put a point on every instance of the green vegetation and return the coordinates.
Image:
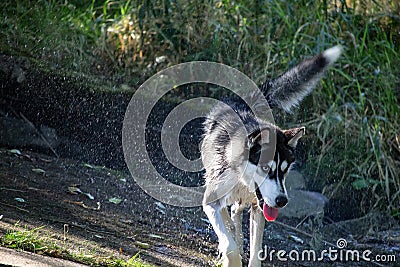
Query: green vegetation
(36, 241)
(352, 119)
(29, 240)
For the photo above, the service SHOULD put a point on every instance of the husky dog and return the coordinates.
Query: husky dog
(246, 162)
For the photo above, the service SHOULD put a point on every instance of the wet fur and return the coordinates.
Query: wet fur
(239, 173)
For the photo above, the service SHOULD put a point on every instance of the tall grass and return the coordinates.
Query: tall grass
(353, 118)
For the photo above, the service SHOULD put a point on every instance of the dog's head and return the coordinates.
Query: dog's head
(270, 157)
(269, 162)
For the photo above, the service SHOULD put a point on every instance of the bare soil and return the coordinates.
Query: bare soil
(106, 228)
(162, 235)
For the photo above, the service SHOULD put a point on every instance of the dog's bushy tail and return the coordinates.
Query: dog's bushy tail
(287, 90)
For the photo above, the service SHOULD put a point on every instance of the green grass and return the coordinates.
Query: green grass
(29, 240)
(353, 123)
(34, 240)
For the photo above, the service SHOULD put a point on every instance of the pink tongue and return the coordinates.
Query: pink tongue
(270, 214)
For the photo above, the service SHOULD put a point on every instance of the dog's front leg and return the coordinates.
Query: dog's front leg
(236, 214)
(257, 223)
(222, 224)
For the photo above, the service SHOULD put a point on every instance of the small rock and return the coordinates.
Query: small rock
(304, 203)
(18, 133)
(295, 180)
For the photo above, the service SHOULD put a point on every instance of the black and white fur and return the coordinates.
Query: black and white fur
(242, 169)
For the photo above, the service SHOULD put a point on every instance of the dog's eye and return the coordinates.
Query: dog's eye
(265, 168)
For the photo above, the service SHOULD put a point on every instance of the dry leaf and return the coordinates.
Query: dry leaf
(15, 151)
(115, 200)
(19, 199)
(142, 244)
(38, 170)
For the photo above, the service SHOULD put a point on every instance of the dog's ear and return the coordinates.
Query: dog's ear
(258, 136)
(261, 145)
(293, 135)
(290, 88)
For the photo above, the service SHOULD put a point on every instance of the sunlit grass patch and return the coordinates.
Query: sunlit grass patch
(30, 240)
(34, 240)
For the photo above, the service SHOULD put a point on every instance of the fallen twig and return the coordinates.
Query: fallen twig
(83, 205)
(12, 189)
(84, 227)
(15, 207)
(40, 134)
(299, 231)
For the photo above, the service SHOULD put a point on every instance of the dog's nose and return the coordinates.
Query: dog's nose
(281, 201)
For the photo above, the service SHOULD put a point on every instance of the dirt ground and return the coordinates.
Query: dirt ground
(97, 225)
(163, 235)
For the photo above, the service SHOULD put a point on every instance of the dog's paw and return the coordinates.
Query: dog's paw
(230, 254)
(232, 259)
